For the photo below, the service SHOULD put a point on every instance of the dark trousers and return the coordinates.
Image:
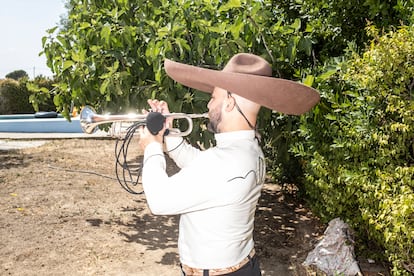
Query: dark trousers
(252, 268)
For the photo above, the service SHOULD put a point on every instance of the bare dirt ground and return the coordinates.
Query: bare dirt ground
(59, 222)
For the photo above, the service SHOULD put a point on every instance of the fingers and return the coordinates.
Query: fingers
(145, 136)
(162, 107)
(158, 106)
(153, 104)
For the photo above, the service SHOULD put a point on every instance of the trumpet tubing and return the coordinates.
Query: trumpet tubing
(89, 120)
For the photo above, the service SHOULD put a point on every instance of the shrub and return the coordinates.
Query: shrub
(41, 93)
(360, 143)
(14, 97)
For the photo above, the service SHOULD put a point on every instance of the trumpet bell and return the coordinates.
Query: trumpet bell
(87, 120)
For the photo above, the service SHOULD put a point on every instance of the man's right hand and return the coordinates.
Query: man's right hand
(161, 107)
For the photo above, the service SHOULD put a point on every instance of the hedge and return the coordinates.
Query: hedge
(14, 97)
(359, 143)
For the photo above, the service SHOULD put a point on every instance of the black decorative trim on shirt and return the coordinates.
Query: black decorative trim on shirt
(182, 141)
(242, 177)
(146, 159)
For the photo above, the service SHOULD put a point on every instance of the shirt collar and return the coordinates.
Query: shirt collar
(225, 138)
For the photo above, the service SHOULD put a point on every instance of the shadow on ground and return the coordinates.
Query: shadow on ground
(285, 231)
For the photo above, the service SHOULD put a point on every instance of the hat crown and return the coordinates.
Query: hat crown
(248, 64)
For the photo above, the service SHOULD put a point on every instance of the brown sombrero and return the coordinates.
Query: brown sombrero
(249, 76)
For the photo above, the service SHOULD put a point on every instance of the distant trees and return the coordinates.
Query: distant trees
(18, 94)
(16, 75)
(14, 96)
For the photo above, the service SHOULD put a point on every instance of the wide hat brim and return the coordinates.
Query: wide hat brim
(281, 95)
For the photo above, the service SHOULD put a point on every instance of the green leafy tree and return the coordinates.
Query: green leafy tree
(337, 23)
(16, 75)
(110, 54)
(41, 93)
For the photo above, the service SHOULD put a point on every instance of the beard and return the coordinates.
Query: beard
(214, 121)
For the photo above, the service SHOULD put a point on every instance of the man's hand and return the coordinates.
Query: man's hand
(158, 106)
(146, 138)
(161, 107)
(145, 135)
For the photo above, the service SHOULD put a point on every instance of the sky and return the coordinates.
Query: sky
(23, 23)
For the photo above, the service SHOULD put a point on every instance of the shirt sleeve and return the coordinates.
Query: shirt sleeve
(186, 191)
(153, 171)
(180, 151)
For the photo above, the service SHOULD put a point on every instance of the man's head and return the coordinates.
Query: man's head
(230, 112)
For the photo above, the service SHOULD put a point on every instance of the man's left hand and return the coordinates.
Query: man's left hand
(146, 138)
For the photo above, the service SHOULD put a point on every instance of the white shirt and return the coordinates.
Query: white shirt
(216, 192)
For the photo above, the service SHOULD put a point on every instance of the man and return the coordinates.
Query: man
(217, 190)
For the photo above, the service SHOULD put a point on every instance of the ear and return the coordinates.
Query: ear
(230, 103)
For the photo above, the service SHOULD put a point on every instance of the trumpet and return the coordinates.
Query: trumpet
(90, 121)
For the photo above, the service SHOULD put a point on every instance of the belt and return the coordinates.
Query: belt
(190, 271)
